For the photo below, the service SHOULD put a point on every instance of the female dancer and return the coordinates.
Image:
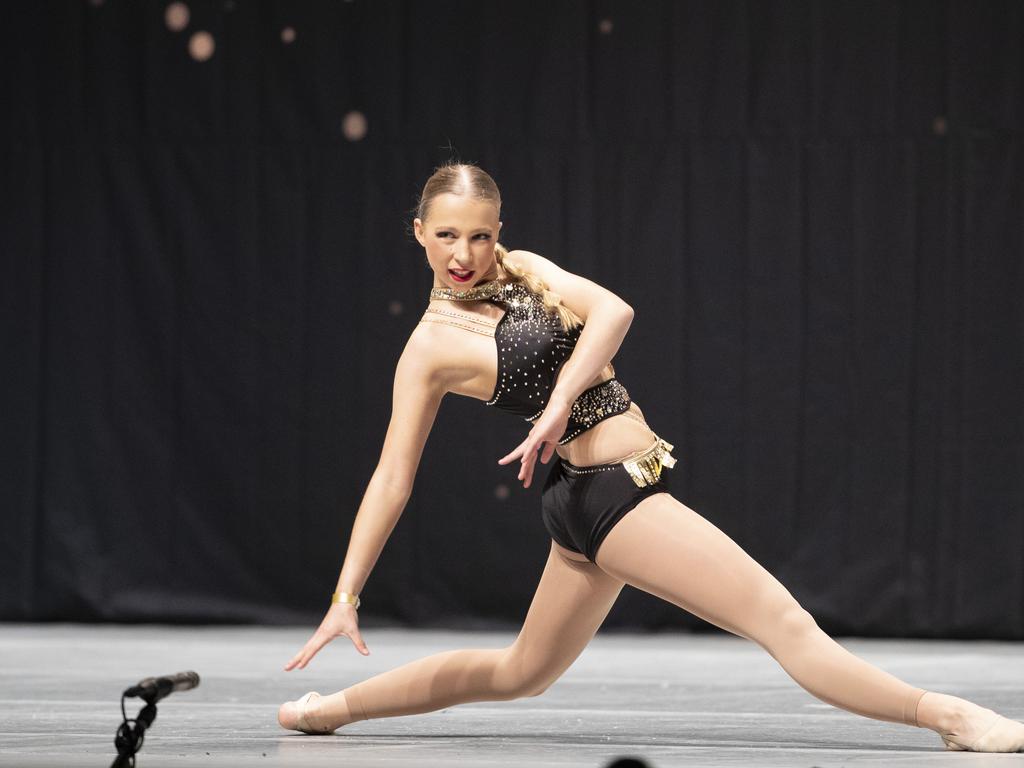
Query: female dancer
(609, 513)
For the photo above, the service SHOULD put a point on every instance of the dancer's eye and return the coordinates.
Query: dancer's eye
(484, 235)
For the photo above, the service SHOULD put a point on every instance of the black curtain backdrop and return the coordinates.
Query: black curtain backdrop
(814, 207)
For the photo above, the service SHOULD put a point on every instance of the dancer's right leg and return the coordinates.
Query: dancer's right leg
(668, 550)
(572, 599)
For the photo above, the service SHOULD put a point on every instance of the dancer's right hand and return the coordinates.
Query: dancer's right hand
(341, 619)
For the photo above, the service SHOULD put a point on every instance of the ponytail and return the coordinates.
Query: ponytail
(552, 301)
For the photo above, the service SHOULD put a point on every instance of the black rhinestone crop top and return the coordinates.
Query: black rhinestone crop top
(532, 346)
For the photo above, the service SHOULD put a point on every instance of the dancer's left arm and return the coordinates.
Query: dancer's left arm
(606, 320)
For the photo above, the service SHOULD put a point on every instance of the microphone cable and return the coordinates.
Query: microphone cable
(129, 737)
(132, 731)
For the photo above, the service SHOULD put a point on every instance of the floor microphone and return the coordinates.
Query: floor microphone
(152, 689)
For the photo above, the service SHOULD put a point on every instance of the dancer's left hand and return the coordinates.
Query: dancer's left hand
(544, 435)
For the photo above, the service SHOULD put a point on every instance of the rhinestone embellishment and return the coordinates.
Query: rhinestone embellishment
(595, 404)
(477, 292)
(644, 468)
(521, 388)
(532, 346)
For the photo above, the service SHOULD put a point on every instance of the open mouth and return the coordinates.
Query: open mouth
(461, 277)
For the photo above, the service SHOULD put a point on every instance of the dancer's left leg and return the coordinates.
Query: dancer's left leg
(572, 599)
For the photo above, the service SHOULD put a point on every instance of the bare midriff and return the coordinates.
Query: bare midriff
(611, 440)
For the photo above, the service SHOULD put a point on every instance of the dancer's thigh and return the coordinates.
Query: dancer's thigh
(665, 548)
(572, 599)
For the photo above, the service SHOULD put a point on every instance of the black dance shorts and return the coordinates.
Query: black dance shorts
(580, 505)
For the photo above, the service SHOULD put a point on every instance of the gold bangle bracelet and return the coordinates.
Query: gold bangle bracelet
(345, 597)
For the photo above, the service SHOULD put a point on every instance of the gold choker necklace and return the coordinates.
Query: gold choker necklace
(482, 291)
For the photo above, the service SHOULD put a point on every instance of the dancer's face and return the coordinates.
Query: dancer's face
(459, 234)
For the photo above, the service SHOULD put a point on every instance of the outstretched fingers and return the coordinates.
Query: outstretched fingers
(544, 436)
(526, 452)
(309, 650)
(519, 450)
(327, 631)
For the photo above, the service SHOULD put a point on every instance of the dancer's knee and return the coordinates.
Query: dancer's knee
(516, 678)
(786, 627)
(534, 687)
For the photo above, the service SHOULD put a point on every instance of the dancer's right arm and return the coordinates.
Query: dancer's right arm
(418, 389)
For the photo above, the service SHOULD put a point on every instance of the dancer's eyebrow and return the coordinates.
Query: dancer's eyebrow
(441, 228)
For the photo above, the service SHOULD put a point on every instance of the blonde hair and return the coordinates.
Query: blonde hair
(466, 179)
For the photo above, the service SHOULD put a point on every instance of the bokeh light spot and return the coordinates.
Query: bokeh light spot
(201, 46)
(288, 35)
(176, 16)
(353, 126)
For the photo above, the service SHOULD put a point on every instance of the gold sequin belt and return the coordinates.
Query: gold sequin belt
(645, 468)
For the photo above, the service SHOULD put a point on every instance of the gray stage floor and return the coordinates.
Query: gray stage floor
(672, 699)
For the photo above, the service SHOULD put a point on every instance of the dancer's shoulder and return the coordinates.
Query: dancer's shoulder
(578, 293)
